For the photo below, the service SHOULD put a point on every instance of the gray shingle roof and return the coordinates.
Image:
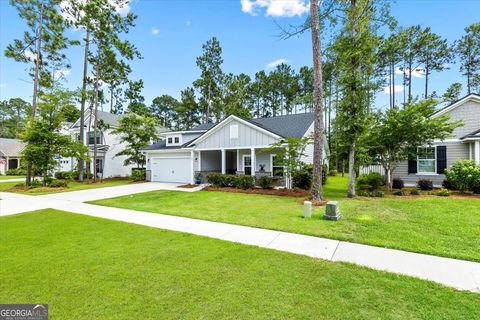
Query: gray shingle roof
(202, 127)
(11, 147)
(474, 134)
(162, 145)
(292, 125)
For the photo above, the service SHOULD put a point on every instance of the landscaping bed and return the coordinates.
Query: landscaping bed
(89, 268)
(274, 192)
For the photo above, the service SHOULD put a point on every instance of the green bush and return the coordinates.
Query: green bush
(138, 175)
(265, 182)
(400, 193)
(333, 173)
(397, 183)
(16, 172)
(425, 184)
(245, 182)
(464, 175)
(443, 192)
(36, 183)
(414, 192)
(302, 179)
(369, 182)
(66, 175)
(56, 183)
(214, 179)
(375, 194)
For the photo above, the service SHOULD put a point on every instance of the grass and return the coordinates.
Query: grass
(72, 186)
(10, 177)
(90, 268)
(443, 226)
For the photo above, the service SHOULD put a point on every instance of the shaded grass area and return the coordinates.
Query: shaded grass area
(434, 225)
(72, 186)
(10, 177)
(90, 268)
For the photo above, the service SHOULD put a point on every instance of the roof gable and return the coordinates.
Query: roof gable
(471, 97)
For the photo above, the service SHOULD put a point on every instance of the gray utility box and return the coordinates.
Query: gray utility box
(332, 211)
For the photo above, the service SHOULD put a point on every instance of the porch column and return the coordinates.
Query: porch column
(224, 161)
(192, 169)
(253, 160)
(477, 152)
(238, 161)
(199, 160)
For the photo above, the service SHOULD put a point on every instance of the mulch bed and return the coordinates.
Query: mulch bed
(188, 186)
(272, 192)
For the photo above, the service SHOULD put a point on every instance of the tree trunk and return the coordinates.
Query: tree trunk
(427, 71)
(82, 104)
(409, 82)
(393, 84)
(351, 171)
(28, 176)
(316, 191)
(95, 125)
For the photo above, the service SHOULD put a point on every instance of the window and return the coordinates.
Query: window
(234, 131)
(426, 160)
(91, 136)
(174, 140)
(277, 168)
(99, 165)
(247, 164)
(177, 140)
(170, 140)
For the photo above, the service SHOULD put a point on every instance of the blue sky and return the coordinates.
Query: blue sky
(169, 34)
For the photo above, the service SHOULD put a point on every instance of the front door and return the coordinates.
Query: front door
(247, 164)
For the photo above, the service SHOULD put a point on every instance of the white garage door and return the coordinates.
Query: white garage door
(171, 170)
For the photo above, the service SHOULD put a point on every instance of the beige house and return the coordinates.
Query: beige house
(10, 154)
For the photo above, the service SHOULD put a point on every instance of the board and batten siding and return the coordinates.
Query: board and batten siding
(247, 137)
(455, 151)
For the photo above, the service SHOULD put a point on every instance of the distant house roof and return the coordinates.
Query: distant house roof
(11, 147)
(203, 127)
(162, 145)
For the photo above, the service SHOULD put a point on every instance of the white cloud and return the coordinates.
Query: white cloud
(188, 23)
(276, 8)
(155, 31)
(30, 55)
(396, 88)
(275, 63)
(416, 73)
(62, 73)
(123, 9)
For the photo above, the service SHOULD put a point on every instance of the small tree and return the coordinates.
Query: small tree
(399, 132)
(289, 154)
(43, 138)
(138, 132)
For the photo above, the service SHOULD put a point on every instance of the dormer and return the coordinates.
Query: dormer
(174, 139)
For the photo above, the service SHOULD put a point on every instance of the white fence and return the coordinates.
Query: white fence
(372, 168)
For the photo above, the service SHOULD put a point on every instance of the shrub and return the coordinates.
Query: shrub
(397, 183)
(215, 179)
(65, 175)
(369, 182)
(229, 180)
(302, 179)
(400, 193)
(376, 194)
(448, 185)
(425, 184)
(265, 182)
(414, 192)
(464, 175)
(138, 175)
(56, 183)
(16, 172)
(443, 192)
(245, 182)
(35, 184)
(333, 173)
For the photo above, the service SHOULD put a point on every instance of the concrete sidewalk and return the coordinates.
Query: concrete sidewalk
(13, 180)
(459, 274)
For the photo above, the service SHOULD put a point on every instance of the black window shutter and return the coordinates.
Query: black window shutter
(412, 166)
(441, 159)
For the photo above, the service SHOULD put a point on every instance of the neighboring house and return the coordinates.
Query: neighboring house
(233, 146)
(10, 154)
(108, 145)
(432, 160)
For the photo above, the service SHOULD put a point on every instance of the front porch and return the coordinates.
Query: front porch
(256, 162)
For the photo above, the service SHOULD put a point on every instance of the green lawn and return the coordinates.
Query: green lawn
(443, 226)
(72, 186)
(89, 268)
(10, 177)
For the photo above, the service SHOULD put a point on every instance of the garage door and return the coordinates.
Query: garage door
(171, 170)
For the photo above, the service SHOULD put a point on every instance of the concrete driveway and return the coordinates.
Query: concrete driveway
(12, 203)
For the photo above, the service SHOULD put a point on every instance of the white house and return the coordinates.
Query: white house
(10, 154)
(108, 145)
(233, 146)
